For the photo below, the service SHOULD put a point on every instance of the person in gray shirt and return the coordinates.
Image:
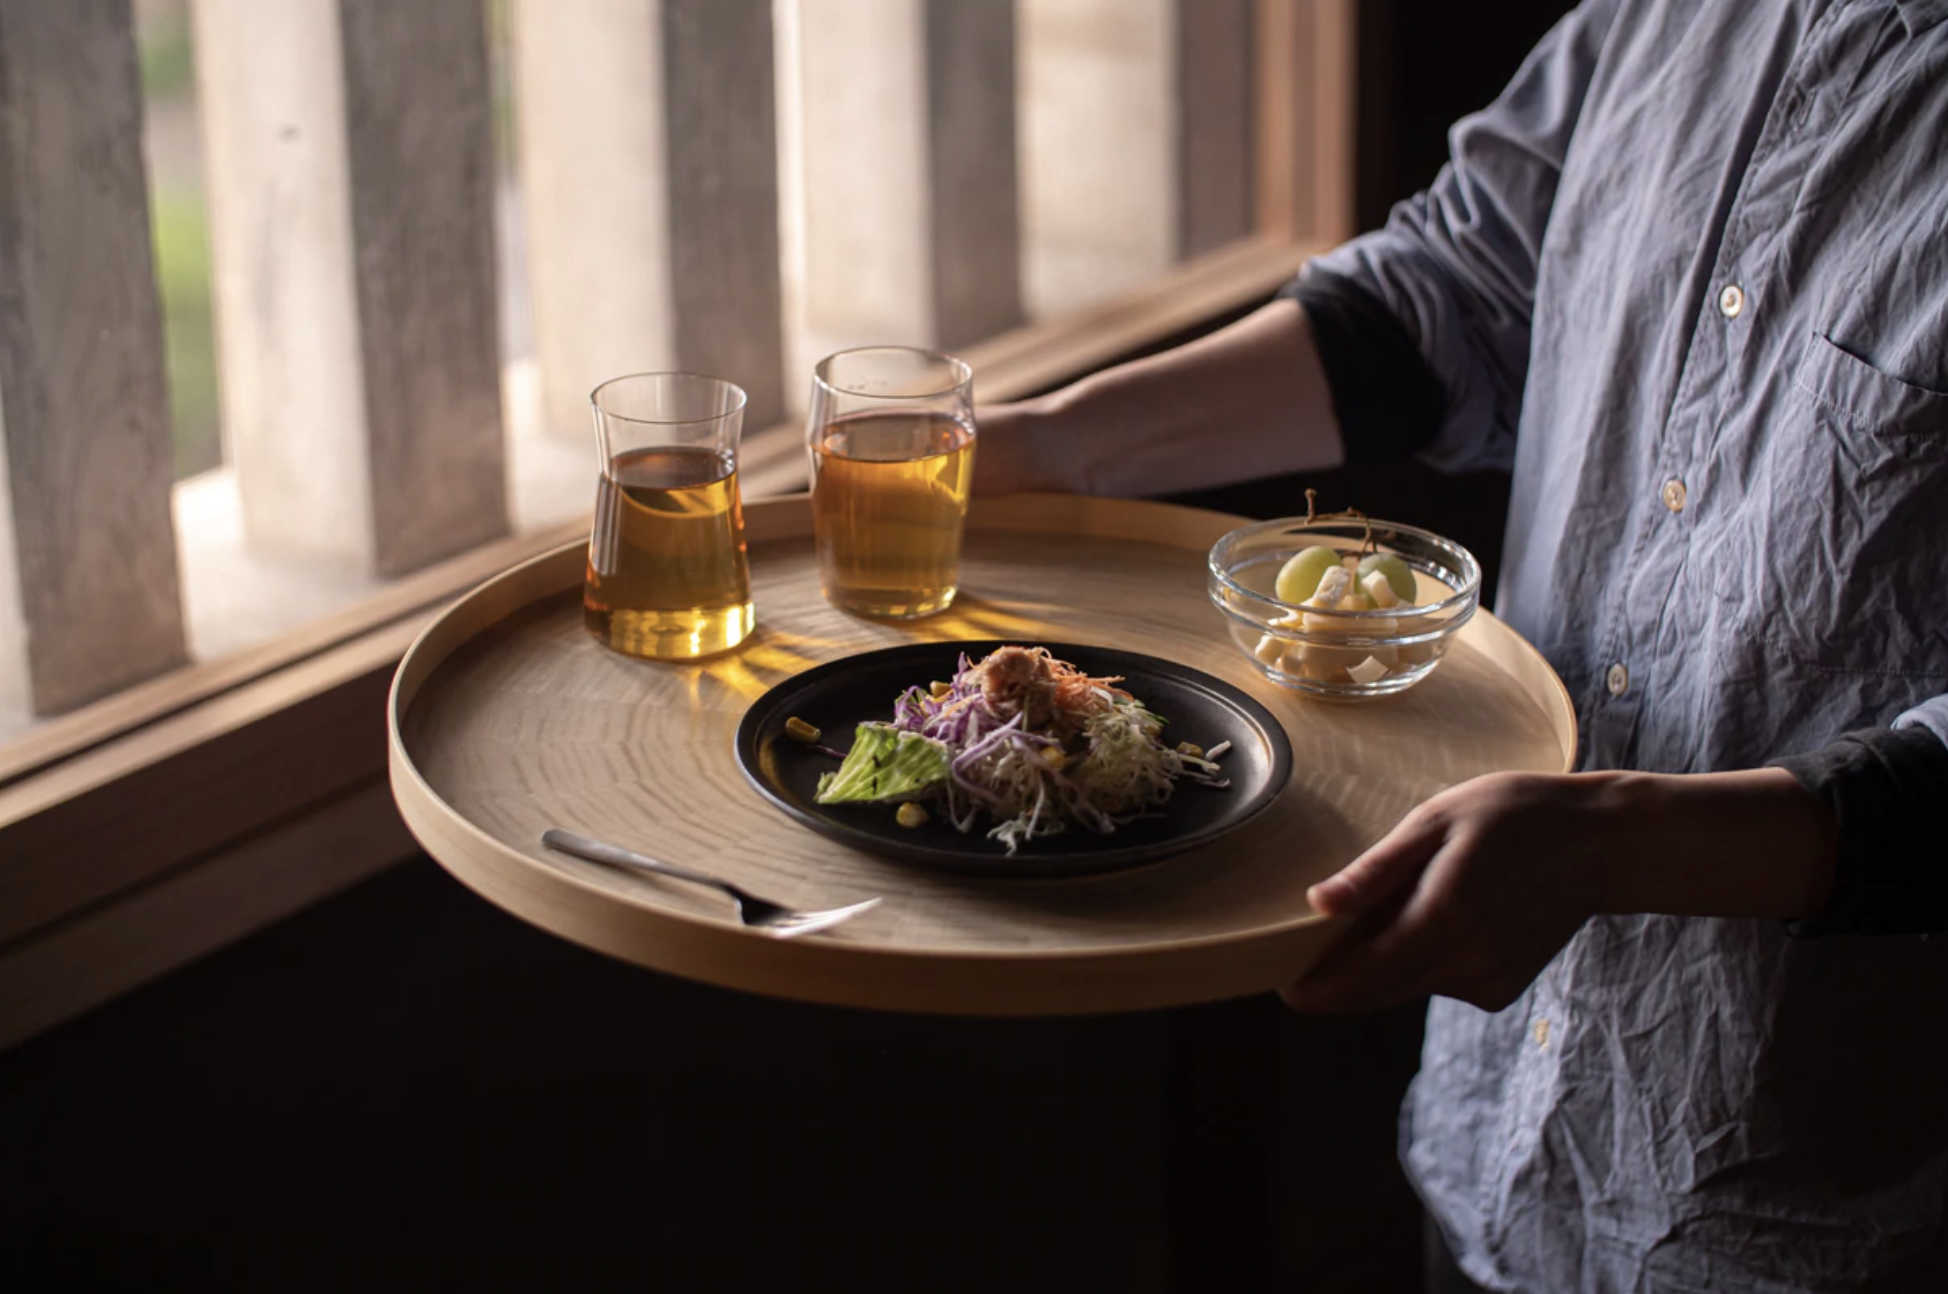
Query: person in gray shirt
(1688, 278)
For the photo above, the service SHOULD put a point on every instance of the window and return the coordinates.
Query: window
(429, 230)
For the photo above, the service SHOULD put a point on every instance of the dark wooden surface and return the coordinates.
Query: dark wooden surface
(86, 413)
(124, 830)
(972, 193)
(405, 1089)
(419, 135)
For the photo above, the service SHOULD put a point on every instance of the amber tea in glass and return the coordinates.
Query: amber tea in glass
(892, 443)
(667, 578)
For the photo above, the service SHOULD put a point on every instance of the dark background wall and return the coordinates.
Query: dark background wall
(404, 1089)
(1422, 64)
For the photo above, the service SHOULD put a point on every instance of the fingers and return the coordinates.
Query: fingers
(1365, 974)
(1384, 871)
(1391, 955)
(1468, 898)
(1378, 961)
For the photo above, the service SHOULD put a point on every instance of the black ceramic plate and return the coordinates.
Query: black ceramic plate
(836, 697)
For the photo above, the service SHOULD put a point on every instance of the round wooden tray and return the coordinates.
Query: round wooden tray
(506, 717)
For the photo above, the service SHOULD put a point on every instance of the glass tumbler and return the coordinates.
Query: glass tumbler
(667, 577)
(891, 435)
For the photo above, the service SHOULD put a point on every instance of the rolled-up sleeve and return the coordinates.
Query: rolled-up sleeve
(1884, 788)
(1456, 264)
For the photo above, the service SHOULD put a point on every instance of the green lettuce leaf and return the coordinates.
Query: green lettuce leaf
(883, 766)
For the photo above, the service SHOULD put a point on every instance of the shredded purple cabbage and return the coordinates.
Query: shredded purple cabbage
(1011, 771)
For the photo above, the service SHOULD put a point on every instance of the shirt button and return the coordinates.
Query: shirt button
(1674, 494)
(1731, 300)
(1618, 679)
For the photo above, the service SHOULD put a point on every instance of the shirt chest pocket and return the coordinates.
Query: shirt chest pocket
(1867, 409)
(1842, 563)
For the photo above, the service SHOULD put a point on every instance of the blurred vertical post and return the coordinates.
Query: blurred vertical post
(1214, 75)
(903, 167)
(350, 174)
(1305, 103)
(648, 161)
(1137, 118)
(419, 123)
(83, 402)
(973, 190)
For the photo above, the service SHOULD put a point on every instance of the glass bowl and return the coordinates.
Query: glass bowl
(1345, 655)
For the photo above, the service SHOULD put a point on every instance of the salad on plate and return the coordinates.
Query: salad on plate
(1028, 742)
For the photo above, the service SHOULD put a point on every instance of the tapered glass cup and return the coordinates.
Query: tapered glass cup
(667, 577)
(891, 436)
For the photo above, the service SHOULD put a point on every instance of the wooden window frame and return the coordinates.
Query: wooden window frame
(146, 829)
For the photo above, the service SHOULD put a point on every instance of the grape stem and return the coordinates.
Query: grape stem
(1368, 546)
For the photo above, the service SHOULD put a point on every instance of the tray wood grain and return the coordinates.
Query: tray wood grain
(506, 717)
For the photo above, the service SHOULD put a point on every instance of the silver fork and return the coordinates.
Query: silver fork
(760, 914)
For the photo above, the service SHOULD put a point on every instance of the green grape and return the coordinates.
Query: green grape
(1298, 579)
(1396, 571)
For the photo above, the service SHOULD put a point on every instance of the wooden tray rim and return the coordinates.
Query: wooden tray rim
(935, 979)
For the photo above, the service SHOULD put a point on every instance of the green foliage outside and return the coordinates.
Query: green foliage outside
(179, 221)
(168, 70)
(182, 250)
(179, 225)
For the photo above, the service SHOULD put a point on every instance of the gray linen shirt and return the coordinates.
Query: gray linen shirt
(1688, 276)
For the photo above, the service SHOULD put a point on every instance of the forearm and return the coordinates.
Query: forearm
(1247, 401)
(1478, 887)
(1753, 843)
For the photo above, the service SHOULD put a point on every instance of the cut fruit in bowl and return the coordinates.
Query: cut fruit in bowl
(1345, 607)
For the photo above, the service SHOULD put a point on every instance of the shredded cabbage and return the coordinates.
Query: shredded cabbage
(1038, 746)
